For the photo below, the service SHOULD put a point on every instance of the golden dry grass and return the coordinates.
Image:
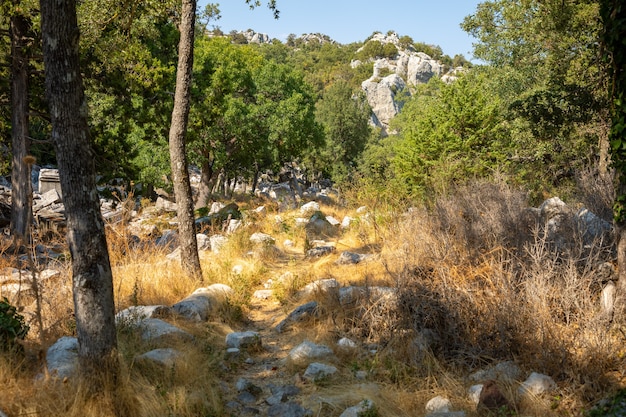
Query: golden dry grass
(465, 270)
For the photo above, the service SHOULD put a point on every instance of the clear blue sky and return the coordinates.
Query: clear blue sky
(430, 21)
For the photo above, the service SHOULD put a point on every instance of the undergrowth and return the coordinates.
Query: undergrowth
(469, 281)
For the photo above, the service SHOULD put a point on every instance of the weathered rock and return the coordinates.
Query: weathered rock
(259, 238)
(204, 243)
(217, 243)
(281, 393)
(309, 208)
(166, 357)
(243, 340)
(607, 299)
(320, 251)
(289, 409)
(350, 258)
(507, 371)
(381, 96)
(307, 351)
(159, 331)
(134, 314)
(316, 371)
(318, 227)
(438, 404)
(298, 314)
(346, 343)
(360, 409)
(202, 302)
(62, 357)
(474, 393)
(537, 384)
(165, 205)
(319, 286)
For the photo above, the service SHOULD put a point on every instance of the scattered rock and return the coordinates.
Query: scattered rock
(438, 404)
(166, 357)
(202, 302)
(316, 371)
(244, 340)
(360, 409)
(159, 331)
(62, 357)
(307, 351)
(298, 314)
(289, 409)
(537, 384)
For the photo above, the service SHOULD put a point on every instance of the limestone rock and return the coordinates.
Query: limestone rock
(202, 302)
(316, 371)
(298, 314)
(360, 409)
(537, 384)
(159, 331)
(438, 404)
(62, 357)
(166, 357)
(307, 351)
(243, 340)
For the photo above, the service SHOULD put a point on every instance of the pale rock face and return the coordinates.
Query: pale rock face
(381, 97)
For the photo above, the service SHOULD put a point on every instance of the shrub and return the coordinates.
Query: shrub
(12, 325)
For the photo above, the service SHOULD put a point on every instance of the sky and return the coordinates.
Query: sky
(435, 22)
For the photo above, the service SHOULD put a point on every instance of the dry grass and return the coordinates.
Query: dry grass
(476, 282)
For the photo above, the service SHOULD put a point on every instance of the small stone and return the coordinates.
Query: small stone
(438, 404)
(537, 384)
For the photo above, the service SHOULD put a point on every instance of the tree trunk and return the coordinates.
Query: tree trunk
(204, 191)
(91, 270)
(21, 194)
(190, 260)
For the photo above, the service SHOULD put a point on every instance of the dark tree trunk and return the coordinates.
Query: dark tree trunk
(91, 269)
(204, 191)
(190, 260)
(21, 194)
(613, 17)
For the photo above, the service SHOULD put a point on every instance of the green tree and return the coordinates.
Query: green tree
(556, 111)
(285, 104)
(345, 116)
(223, 93)
(448, 134)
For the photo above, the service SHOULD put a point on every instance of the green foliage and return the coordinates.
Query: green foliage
(345, 117)
(12, 325)
(376, 49)
(449, 134)
(613, 16)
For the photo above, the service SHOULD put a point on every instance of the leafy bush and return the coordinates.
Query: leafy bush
(12, 325)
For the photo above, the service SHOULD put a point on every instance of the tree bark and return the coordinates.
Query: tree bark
(91, 270)
(21, 194)
(190, 260)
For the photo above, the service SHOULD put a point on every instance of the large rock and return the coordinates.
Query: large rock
(202, 302)
(62, 357)
(381, 96)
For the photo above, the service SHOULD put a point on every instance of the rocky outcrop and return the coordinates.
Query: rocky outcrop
(408, 68)
(381, 95)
